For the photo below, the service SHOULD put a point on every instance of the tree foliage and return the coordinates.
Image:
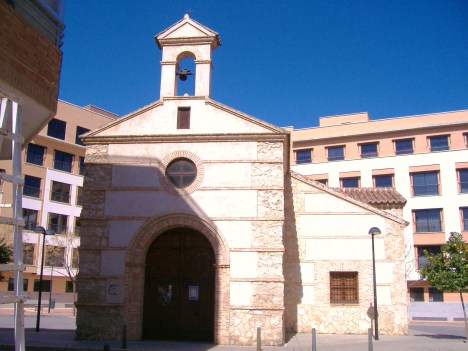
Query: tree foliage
(6, 252)
(448, 270)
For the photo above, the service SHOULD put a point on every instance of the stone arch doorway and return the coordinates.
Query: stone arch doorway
(179, 299)
(135, 270)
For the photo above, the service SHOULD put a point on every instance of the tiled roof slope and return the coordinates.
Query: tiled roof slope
(379, 209)
(374, 196)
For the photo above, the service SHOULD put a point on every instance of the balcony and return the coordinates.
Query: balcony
(30, 60)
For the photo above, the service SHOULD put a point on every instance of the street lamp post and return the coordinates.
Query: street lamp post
(44, 232)
(375, 231)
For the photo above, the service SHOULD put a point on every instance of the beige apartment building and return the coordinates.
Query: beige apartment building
(53, 169)
(424, 157)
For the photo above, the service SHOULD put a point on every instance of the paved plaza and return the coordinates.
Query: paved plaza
(57, 333)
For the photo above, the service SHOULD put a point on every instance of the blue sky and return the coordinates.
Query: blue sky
(286, 62)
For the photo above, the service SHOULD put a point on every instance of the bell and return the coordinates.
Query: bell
(183, 74)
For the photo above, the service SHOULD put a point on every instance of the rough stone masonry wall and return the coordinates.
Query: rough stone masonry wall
(266, 307)
(320, 314)
(96, 318)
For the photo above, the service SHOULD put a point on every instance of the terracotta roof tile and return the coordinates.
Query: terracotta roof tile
(374, 196)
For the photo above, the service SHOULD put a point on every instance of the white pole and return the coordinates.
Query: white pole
(18, 231)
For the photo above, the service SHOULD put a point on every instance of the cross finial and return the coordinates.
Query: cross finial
(187, 13)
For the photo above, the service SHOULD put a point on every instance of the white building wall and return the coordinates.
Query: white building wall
(449, 200)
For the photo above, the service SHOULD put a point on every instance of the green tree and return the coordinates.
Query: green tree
(6, 254)
(448, 270)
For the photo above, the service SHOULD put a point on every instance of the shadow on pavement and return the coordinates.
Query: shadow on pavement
(442, 336)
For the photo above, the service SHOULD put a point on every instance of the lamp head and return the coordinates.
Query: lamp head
(39, 229)
(43, 231)
(374, 231)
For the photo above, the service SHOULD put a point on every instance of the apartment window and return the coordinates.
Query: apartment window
(404, 146)
(350, 182)
(77, 230)
(465, 137)
(29, 218)
(82, 166)
(369, 150)
(303, 156)
(322, 181)
(425, 183)
(183, 118)
(46, 285)
(428, 221)
(63, 161)
(383, 181)
(464, 217)
(11, 284)
(416, 294)
(335, 153)
(435, 295)
(28, 253)
(439, 143)
(431, 250)
(60, 192)
(80, 131)
(463, 180)
(32, 186)
(79, 195)
(56, 128)
(54, 256)
(344, 287)
(58, 223)
(68, 286)
(35, 154)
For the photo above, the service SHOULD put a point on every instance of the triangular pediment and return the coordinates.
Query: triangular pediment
(187, 28)
(208, 119)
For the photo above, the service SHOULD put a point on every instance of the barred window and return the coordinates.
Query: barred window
(344, 287)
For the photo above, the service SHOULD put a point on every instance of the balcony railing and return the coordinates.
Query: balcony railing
(31, 191)
(44, 15)
(60, 197)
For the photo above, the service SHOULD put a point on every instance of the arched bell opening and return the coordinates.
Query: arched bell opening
(186, 73)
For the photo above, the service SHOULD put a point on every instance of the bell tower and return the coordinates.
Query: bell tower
(186, 38)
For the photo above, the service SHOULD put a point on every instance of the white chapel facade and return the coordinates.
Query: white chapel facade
(195, 228)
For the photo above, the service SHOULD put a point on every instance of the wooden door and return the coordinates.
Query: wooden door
(179, 288)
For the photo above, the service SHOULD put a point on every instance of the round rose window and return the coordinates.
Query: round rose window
(181, 172)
